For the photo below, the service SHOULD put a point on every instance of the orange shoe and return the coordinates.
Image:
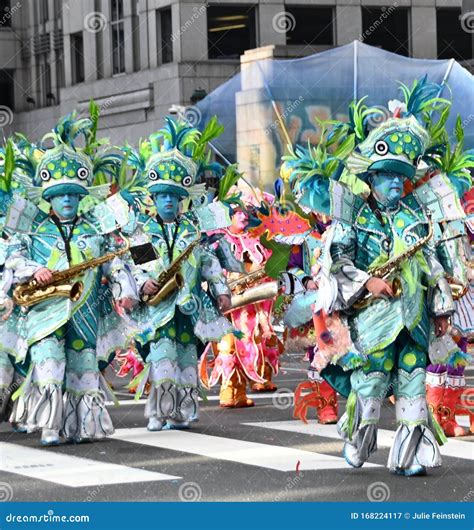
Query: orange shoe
(327, 413)
(233, 395)
(435, 394)
(317, 394)
(269, 385)
(448, 419)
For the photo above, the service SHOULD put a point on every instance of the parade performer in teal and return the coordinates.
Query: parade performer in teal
(175, 320)
(7, 372)
(390, 283)
(58, 333)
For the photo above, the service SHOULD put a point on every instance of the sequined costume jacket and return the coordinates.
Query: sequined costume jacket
(425, 291)
(202, 265)
(41, 245)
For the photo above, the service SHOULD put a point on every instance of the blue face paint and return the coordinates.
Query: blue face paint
(387, 188)
(167, 205)
(65, 206)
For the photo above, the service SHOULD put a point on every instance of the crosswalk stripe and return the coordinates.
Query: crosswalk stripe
(68, 470)
(141, 401)
(453, 448)
(239, 451)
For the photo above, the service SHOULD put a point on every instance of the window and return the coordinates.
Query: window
(6, 89)
(5, 15)
(44, 15)
(44, 79)
(165, 37)
(453, 40)
(230, 31)
(59, 70)
(77, 57)
(387, 28)
(118, 37)
(309, 25)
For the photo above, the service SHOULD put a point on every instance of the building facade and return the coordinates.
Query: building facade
(138, 57)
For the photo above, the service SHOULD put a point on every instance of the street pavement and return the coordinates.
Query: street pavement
(255, 454)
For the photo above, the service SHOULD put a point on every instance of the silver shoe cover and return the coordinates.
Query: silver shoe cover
(161, 401)
(363, 442)
(86, 417)
(363, 439)
(168, 400)
(414, 444)
(40, 407)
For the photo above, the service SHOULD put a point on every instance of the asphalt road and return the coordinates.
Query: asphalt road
(255, 454)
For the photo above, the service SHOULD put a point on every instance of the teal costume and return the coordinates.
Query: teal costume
(59, 339)
(173, 327)
(391, 334)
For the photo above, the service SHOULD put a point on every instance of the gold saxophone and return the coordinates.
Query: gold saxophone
(388, 271)
(171, 279)
(458, 287)
(245, 291)
(32, 293)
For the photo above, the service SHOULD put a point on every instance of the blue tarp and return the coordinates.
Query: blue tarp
(323, 85)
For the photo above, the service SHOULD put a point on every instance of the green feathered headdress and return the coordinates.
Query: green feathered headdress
(66, 166)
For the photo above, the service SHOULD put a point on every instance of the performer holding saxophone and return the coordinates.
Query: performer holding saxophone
(177, 311)
(254, 356)
(389, 281)
(59, 327)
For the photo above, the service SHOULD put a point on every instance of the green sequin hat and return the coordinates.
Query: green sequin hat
(401, 142)
(63, 171)
(395, 146)
(65, 167)
(175, 159)
(171, 171)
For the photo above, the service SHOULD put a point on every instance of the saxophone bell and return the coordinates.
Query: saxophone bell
(397, 287)
(31, 294)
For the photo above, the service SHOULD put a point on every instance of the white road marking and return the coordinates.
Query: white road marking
(454, 448)
(68, 470)
(257, 397)
(243, 452)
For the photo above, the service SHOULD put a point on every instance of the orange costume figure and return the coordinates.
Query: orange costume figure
(253, 357)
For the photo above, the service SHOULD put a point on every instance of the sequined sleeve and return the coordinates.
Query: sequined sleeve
(19, 259)
(119, 274)
(351, 280)
(213, 273)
